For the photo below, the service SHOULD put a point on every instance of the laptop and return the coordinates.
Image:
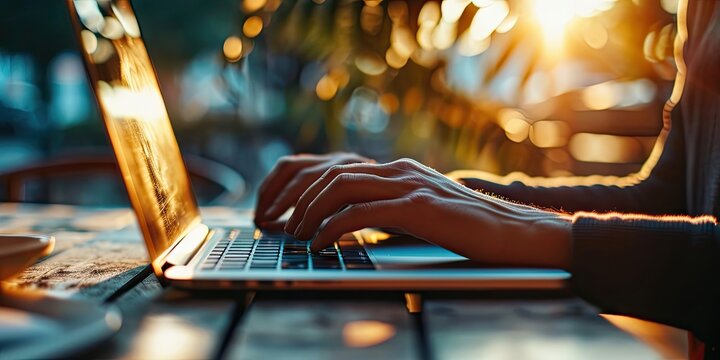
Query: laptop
(185, 252)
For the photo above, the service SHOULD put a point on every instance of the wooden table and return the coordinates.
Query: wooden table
(100, 256)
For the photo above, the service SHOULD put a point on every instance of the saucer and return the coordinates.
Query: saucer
(18, 251)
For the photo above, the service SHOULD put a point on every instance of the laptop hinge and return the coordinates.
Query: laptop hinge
(188, 246)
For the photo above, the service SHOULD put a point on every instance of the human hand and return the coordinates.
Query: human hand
(418, 200)
(288, 179)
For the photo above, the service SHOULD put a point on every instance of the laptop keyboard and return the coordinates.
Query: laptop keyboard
(244, 249)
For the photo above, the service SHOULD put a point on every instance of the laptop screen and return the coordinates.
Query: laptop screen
(126, 87)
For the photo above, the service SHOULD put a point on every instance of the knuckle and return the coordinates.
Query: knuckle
(286, 158)
(342, 180)
(334, 170)
(421, 197)
(404, 163)
(284, 161)
(363, 207)
(346, 177)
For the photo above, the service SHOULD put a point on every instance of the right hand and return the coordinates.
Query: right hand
(289, 179)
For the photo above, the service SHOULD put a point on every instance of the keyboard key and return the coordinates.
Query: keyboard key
(232, 267)
(246, 254)
(233, 264)
(264, 259)
(235, 259)
(296, 252)
(325, 259)
(353, 253)
(298, 266)
(262, 266)
(295, 261)
(248, 249)
(241, 246)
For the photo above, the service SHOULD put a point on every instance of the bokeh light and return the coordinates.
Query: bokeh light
(233, 48)
(252, 26)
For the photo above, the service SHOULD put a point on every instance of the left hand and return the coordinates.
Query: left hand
(418, 200)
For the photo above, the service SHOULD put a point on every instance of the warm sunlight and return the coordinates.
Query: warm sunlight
(554, 16)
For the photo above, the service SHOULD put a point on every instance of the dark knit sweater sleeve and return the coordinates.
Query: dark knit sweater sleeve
(657, 268)
(662, 192)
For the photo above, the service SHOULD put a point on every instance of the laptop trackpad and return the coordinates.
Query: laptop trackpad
(406, 252)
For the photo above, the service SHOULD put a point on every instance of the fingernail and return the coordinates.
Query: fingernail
(298, 231)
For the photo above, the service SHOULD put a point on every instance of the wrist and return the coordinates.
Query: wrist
(560, 239)
(553, 241)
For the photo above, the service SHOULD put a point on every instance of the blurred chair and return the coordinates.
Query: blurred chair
(94, 179)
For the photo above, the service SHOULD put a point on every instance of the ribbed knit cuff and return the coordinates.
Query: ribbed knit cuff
(662, 269)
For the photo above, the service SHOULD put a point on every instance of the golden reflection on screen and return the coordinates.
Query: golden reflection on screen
(136, 119)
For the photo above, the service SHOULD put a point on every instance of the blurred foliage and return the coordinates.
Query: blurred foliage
(549, 87)
(434, 70)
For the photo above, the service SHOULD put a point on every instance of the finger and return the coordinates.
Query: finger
(291, 192)
(312, 192)
(268, 191)
(348, 189)
(301, 181)
(383, 213)
(281, 173)
(277, 225)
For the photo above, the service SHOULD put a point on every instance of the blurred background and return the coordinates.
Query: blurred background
(546, 87)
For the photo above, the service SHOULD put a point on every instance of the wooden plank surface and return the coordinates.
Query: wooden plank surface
(167, 324)
(96, 251)
(325, 329)
(526, 329)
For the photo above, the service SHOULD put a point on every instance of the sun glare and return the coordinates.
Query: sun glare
(553, 16)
